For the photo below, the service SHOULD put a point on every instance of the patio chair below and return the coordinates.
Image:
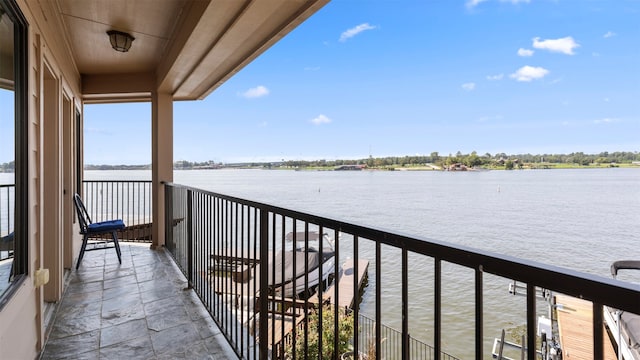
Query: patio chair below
(96, 231)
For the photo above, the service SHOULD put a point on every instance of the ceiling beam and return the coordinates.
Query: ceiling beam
(110, 87)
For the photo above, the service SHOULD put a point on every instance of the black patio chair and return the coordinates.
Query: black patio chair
(96, 231)
(6, 242)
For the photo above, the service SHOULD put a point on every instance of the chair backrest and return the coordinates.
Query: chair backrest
(6, 242)
(83, 216)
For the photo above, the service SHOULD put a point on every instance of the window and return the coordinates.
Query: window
(13, 149)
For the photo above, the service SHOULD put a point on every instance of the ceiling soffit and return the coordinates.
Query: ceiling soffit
(192, 47)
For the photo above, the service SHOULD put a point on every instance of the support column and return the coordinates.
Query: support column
(161, 159)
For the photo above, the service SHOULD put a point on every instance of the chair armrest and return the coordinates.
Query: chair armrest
(624, 265)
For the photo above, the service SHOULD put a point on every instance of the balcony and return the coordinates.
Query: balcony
(138, 310)
(223, 244)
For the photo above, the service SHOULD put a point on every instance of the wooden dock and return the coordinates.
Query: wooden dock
(346, 297)
(575, 323)
(283, 324)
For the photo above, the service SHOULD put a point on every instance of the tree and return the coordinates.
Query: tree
(508, 165)
(310, 349)
(472, 160)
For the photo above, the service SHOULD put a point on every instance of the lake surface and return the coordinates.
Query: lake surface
(579, 219)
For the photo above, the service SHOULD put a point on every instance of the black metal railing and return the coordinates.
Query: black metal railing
(223, 244)
(129, 200)
(391, 342)
(7, 200)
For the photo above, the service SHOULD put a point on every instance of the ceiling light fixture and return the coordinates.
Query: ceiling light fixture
(120, 41)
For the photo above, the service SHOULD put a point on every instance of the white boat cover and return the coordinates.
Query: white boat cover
(287, 258)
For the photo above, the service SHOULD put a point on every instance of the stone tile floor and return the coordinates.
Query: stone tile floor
(134, 310)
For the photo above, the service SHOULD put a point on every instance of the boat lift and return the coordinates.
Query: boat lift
(550, 348)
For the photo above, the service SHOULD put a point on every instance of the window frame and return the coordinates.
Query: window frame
(21, 206)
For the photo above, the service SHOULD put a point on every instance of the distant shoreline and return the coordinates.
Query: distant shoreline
(537, 166)
(432, 162)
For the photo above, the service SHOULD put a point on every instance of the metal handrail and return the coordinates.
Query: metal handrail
(129, 200)
(597, 289)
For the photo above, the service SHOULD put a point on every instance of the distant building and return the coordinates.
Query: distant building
(350, 167)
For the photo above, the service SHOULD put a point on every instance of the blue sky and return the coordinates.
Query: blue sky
(391, 78)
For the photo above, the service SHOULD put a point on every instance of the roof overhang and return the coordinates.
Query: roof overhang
(184, 48)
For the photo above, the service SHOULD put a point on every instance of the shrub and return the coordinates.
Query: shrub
(311, 348)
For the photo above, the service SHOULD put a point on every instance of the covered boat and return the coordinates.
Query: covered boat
(307, 259)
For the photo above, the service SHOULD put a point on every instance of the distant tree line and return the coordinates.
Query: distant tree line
(8, 167)
(474, 159)
(471, 160)
(117, 167)
(178, 165)
(188, 165)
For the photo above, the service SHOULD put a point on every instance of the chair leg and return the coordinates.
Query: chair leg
(114, 235)
(85, 239)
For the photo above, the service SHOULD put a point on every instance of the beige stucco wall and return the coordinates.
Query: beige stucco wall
(21, 320)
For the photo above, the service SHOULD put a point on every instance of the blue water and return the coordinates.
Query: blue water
(579, 219)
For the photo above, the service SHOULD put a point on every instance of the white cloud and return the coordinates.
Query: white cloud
(609, 34)
(564, 45)
(605, 121)
(495, 77)
(321, 119)
(528, 73)
(355, 31)
(525, 52)
(474, 3)
(256, 92)
(469, 86)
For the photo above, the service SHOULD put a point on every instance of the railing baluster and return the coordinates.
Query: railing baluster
(405, 304)
(255, 272)
(531, 321)
(336, 306)
(282, 294)
(598, 348)
(264, 283)
(294, 332)
(437, 308)
(272, 261)
(356, 290)
(320, 329)
(479, 315)
(378, 299)
(190, 238)
(306, 283)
